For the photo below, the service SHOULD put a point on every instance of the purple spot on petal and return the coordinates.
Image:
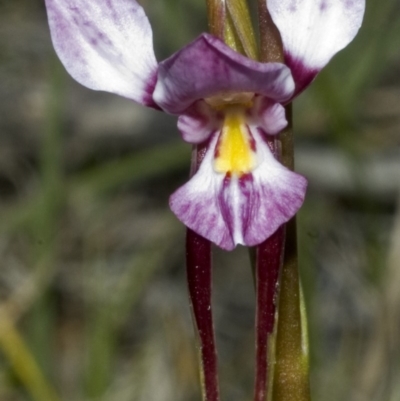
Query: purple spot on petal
(252, 141)
(323, 6)
(349, 4)
(293, 6)
(247, 177)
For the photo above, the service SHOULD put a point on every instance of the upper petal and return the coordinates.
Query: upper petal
(313, 31)
(105, 45)
(207, 67)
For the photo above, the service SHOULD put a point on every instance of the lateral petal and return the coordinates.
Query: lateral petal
(207, 67)
(198, 122)
(313, 31)
(105, 45)
(269, 115)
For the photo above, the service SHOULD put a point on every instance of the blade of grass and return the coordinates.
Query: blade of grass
(45, 221)
(242, 25)
(100, 180)
(23, 362)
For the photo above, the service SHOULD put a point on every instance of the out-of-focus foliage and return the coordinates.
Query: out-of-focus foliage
(92, 282)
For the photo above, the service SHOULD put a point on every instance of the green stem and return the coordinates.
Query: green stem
(239, 12)
(216, 12)
(291, 382)
(271, 49)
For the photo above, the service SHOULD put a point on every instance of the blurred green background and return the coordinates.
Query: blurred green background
(92, 279)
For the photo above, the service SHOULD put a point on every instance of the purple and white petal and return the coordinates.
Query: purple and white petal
(105, 45)
(198, 122)
(273, 196)
(313, 31)
(207, 67)
(268, 115)
(230, 209)
(196, 203)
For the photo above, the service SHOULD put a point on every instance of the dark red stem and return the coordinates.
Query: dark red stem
(269, 258)
(198, 262)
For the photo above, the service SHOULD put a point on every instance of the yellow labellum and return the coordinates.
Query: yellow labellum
(234, 151)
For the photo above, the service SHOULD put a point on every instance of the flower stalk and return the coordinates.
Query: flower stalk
(268, 262)
(239, 14)
(271, 48)
(216, 15)
(198, 262)
(270, 254)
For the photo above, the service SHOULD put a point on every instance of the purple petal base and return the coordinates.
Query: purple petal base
(302, 75)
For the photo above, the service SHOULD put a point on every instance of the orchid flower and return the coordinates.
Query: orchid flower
(231, 108)
(229, 104)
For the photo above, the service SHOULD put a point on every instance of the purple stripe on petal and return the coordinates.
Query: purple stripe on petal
(105, 45)
(207, 67)
(233, 209)
(254, 205)
(196, 203)
(274, 196)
